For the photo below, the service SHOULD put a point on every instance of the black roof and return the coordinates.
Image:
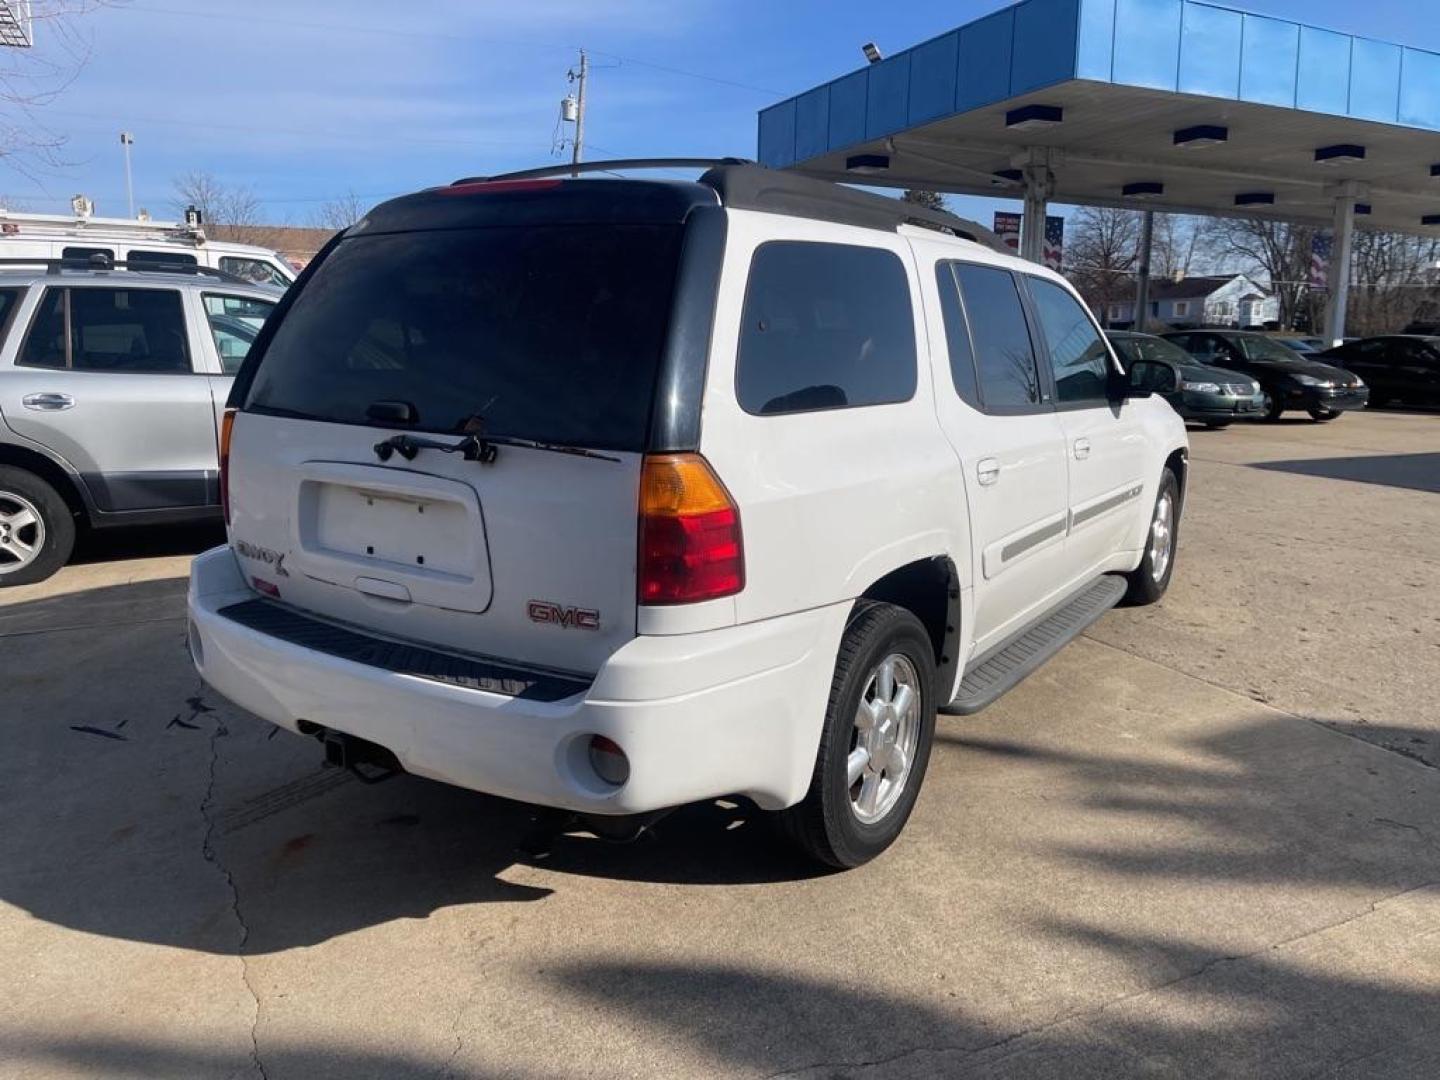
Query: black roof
(551, 196)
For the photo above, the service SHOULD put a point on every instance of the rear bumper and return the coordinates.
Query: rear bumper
(732, 711)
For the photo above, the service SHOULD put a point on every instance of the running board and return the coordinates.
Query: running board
(1004, 666)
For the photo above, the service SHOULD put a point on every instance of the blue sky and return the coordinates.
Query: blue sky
(304, 101)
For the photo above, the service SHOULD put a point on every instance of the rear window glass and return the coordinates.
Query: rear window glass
(826, 326)
(550, 333)
(160, 260)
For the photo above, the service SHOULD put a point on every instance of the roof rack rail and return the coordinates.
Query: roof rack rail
(616, 165)
(99, 262)
(743, 184)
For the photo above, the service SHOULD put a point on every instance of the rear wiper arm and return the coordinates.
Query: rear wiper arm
(471, 447)
(554, 448)
(474, 447)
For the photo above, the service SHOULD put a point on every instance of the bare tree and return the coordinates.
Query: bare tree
(1103, 256)
(930, 200)
(230, 213)
(31, 78)
(1177, 245)
(340, 212)
(1394, 282)
(1281, 252)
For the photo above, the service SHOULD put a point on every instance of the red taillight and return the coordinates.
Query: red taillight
(227, 426)
(690, 543)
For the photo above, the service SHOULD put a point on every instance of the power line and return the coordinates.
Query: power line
(398, 32)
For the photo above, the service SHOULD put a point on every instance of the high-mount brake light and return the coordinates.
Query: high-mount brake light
(227, 428)
(497, 187)
(691, 547)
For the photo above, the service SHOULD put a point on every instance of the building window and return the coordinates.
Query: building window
(1182, 308)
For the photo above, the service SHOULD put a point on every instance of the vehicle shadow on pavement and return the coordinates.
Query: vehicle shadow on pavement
(1414, 472)
(145, 542)
(140, 805)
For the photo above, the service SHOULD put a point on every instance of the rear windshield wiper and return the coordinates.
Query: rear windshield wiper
(554, 448)
(474, 447)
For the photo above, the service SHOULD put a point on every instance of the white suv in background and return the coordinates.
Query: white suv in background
(614, 495)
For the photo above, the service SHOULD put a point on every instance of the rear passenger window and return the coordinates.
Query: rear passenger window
(135, 331)
(957, 335)
(1078, 356)
(9, 301)
(87, 255)
(826, 326)
(1004, 357)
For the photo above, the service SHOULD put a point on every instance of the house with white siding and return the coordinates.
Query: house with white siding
(1232, 300)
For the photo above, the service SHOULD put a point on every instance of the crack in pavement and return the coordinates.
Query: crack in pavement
(207, 850)
(1087, 1014)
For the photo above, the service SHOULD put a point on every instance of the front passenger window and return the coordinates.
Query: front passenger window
(1078, 356)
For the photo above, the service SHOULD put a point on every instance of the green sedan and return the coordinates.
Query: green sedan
(1207, 395)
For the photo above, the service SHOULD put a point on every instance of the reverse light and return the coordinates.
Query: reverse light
(227, 428)
(690, 543)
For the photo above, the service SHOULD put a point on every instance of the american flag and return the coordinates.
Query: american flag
(1321, 245)
(1054, 242)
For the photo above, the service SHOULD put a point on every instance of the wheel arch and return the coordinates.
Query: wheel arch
(65, 483)
(928, 588)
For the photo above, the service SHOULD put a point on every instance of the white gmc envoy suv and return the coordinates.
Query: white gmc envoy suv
(611, 495)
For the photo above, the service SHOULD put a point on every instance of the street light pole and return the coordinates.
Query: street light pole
(127, 140)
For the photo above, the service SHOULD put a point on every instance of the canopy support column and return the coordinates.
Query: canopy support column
(1039, 187)
(1142, 283)
(1336, 308)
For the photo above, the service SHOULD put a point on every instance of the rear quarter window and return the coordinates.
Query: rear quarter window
(825, 326)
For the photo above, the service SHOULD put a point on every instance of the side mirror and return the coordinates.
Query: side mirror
(1122, 385)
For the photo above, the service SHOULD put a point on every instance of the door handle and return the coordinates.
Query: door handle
(987, 471)
(1082, 449)
(48, 402)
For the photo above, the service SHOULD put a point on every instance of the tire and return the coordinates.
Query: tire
(1147, 586)
(1323, 416)
(832, 824)
(48, 528)
(1273, 407)
(1217, 425)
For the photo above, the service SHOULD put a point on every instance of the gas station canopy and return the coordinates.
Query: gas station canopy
(1162, 104)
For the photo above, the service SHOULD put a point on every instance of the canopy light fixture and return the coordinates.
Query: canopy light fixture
(1255, 198)
(1430, 219)
(1008, 176)
(1032, 117)
(1435, 171)
(867, 163)
(1362, 208)
(1143, 189)
(872, 52)
(1193, 138)
(1343, 154)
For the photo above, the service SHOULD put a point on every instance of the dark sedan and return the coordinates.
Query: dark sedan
(1208, 395)
(1397, 367)
(1287, 379)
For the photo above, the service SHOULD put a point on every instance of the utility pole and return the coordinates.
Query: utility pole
(126, 141)
(578, 146)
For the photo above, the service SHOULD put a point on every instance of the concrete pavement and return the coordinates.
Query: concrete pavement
(1201, 842)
